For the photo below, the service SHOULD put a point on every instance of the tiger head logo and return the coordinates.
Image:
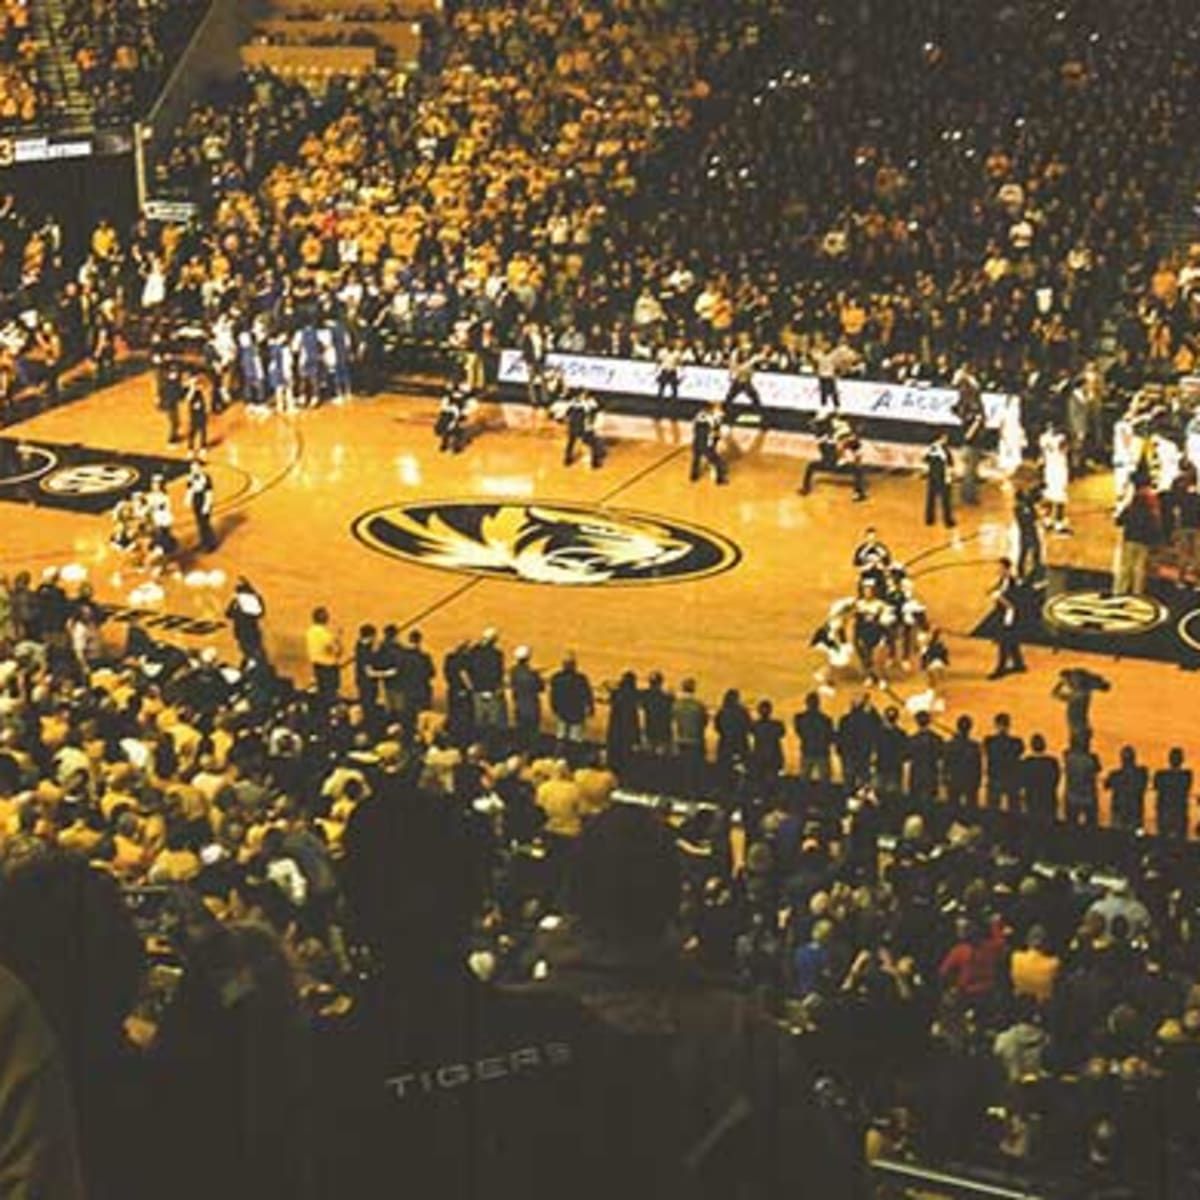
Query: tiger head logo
(561, 544)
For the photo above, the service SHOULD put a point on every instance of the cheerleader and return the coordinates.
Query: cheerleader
(1056, 475)
(910, 619)
(833, 640)
(162, 517)
(872, 618)
(126, 526)
(935, 658)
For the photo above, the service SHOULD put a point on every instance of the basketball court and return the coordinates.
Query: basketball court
(630, 566)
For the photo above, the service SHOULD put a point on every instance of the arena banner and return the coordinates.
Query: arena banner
(792, 393)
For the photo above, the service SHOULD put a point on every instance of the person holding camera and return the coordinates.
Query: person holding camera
(1074, 688)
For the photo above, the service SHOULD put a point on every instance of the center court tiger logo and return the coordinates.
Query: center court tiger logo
(564, 544)
(1097, 613)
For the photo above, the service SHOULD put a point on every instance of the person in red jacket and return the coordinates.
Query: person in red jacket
(972, 965)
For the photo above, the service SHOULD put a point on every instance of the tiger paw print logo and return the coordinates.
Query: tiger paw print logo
(566, 545)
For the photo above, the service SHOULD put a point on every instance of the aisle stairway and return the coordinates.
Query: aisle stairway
(72, 105)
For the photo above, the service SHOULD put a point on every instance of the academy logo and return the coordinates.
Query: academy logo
(564, 544)
(1105, 615)
(90, 479)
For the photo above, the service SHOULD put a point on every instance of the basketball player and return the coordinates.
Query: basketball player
(971, 416)
(583, 410)
(451, 423)
(743, 362)
(196, 404)
(1056, 476)
(1006, 594)
(706, 439)
(533, 354)
(938, 468)
(840, 451)
(670, 364)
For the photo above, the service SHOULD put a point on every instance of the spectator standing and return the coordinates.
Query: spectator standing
(323, 644)
(857, 732)
(527, 686)
(925, 753)
(1140, 519)
(1002, 753)
(657, 708)
(246, 612)
(1127, 787)
(689, 720)
(1034, 969)
(1081, 776)
(964, 766)
(814, 729)
(891, 753)
(624, 734)
(571, 702)
(1039, 775)
(766, 745)
(1173, 787)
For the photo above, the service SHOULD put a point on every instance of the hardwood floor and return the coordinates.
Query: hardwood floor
(290, 490)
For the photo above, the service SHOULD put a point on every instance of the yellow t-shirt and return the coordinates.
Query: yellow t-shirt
(561, 801)
(324, 646)
(1033, 974)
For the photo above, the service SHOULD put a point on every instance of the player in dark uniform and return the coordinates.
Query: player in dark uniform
(583, 410)
(938, 469)
(840, 453)
(706, 437)
(1006, 596)
(196, 404)
(451, 423)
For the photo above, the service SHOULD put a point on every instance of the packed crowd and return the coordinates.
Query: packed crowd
(751, 189)
(23, 96)
(123, 49)
(884, 908)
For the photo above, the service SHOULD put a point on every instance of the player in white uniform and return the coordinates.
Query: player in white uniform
(1011, 448)
(1056, 476)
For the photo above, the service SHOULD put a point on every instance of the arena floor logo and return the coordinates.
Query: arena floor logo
(1114, 616)
(76, 477)
(563, 544)
(1081, 613)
